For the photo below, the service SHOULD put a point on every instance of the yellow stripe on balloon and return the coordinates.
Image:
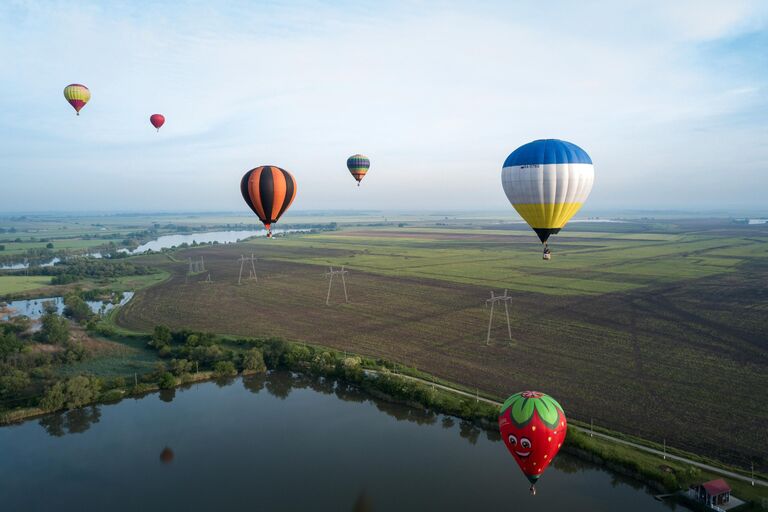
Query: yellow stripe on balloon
(547, 216)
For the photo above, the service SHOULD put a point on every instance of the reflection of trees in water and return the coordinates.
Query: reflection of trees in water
(279, 384)
(493, 435)
(254, 383)
(469, 431)
(349, 393)
(404, 413)
(448, 422)
(167, 395)
(75, 421)
(569, 464)
(223, 382)
(322, 385)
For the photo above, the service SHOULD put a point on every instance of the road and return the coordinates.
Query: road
(612, 439)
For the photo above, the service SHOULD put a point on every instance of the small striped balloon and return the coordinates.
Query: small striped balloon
(77, 95)
(358, 166)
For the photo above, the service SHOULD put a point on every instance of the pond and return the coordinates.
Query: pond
(33, 308)
(222, 237)
(25, 264)
(282, 442)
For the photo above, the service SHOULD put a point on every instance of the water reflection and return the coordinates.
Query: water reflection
(422, 461)
(75, 421)
(167, 395)
(166, 456)
(362, 503)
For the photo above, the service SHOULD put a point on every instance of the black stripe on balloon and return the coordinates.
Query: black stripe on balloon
(267, 193)
(244, 191)
(289, 191)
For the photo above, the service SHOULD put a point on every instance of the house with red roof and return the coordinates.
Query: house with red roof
(713, 493)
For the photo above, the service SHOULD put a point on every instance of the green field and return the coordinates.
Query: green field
(650, 328)
(18, 284)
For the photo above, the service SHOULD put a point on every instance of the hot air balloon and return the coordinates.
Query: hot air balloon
(268, 191)
(547, 181)
(358, 165)
(77, 95)
(533, 428)
(157, 120)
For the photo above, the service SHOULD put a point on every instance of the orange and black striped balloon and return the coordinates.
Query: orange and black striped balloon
(268, 191)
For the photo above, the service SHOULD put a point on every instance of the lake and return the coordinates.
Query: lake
(282, 442)
(222, 237)
(33, 308)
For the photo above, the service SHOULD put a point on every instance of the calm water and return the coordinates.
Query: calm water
(33, 308)
(281, 442)
(24, 264)
(222, 237)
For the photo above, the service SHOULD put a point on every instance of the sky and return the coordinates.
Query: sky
(670, 99)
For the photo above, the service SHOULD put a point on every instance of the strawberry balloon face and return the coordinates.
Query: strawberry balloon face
(533, 427)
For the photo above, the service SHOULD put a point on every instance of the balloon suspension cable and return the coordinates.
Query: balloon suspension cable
(533, 490)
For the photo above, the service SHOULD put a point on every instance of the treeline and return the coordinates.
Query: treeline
(82, 268)
(226, 357)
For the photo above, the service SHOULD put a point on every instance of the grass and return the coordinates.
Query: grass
(18, 284)
(646, 335)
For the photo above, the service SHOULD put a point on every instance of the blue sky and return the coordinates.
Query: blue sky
(670, 99)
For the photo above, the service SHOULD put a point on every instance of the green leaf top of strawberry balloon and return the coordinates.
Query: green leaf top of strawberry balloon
(523, 405)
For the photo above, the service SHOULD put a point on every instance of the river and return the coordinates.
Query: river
(222, 237)
(282, 442)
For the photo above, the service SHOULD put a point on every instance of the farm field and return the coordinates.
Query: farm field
(18, 284)
(639, 328)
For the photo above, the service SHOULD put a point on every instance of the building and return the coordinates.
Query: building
(713, 493)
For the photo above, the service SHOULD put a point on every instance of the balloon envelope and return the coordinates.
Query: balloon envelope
(358, 166)
(547, 181)
(77, 95)
(157, 120)
(533, 428)
(268, 191)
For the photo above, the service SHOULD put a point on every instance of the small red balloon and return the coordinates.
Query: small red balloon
(157, 120)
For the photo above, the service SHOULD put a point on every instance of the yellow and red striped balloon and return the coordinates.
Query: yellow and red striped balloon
(77, 95)
(269, 191)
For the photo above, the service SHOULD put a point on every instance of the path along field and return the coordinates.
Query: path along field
(659, 335)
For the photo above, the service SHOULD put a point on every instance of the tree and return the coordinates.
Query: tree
(2, 247)
(76, 308)
(224, 369)
(54, 398)
(49, 245)
(253, 360)
(81, 390)
(13, 381)
(161, 336)
(54, 330)
(167, 381)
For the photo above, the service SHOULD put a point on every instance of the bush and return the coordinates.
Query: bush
(54, 330)
(224, 369)
(167, 381)
(253, 361)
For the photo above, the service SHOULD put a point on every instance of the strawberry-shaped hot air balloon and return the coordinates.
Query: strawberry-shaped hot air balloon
(533, 427)
(157, 120)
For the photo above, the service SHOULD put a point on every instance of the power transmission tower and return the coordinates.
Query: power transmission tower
(207, 279)
(251, 271)
(330, 275)
(505, 299)
(196, 267)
